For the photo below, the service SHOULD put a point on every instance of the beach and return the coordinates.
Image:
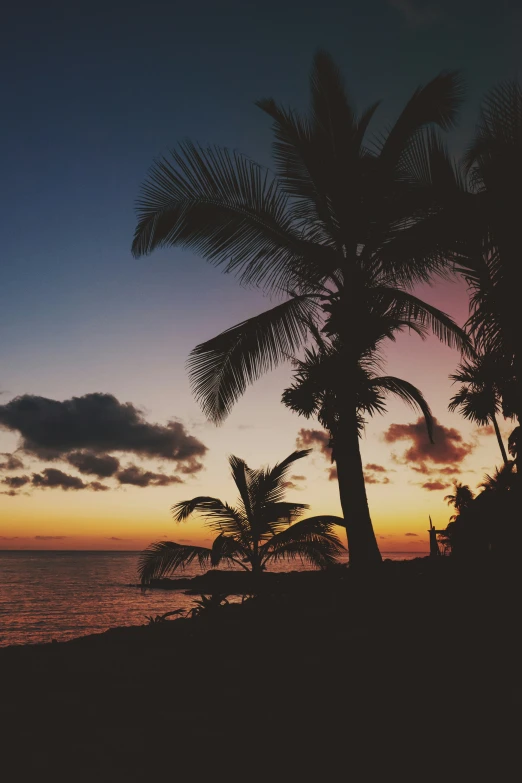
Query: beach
(414, 661)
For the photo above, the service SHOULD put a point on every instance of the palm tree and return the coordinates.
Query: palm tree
(319, 390)
(491, 265)
(260, 529)
(343, 231)
(479, 398)
(500, 481)
(461, 499)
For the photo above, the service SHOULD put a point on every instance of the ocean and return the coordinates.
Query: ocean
(62, 595)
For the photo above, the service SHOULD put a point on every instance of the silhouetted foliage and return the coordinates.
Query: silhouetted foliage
(260, 528)
(342, 232)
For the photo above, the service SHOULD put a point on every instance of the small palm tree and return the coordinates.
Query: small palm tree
(261, 528)
(479, 399)
(461, 499)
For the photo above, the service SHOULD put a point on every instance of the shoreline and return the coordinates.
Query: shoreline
(346, 675)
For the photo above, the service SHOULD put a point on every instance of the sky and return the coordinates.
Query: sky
(99, 432)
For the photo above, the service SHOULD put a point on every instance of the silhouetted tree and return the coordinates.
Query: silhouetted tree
(343, 232)
(259, 529)
(492, 263)
(461, 498)
(319, 390)
(479, 399)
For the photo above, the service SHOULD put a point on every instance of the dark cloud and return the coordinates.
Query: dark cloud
(416, 14)
(11, 462)
(10, 538)
(51, 478)
(97, 423)
(115, 538)
(49, 538)
(449, 447)
(412, 534)
(102, 465)
(432, 486)
(375, 468)
(316, 439)
(12, 493)
(15, 482)
(298, 478)
(145, 478)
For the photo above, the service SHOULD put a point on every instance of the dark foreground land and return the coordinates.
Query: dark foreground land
(412, 672)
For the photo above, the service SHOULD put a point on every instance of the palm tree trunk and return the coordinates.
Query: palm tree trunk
(362, 544)
(499, 438)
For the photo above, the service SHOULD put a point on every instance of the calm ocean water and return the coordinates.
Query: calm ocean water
(61, 595)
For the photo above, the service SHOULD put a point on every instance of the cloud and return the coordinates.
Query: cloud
(290, 485)
(97, 486)
(103, 465)
(15, 482)
(412, 534)
(51, 478)
(139, 477)
(332, 474)
(298, 478)
(487, 430)
(49, 538)
(97, 423)
(375, 468)
(449, 447)
(416, 15)
(12, 493)
(10, 538)
(316, 439)
(370, 478)
(115, 538)
(432, 486)
(11, 462)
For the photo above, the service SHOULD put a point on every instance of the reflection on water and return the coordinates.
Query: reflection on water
(61, 595)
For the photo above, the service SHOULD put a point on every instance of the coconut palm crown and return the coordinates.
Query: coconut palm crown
(261, 527)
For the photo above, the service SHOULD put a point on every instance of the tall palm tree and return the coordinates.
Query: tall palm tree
(492, 265)
(479, 399)
(319, 390)
(461, 498)
(261, 528)
(347, 226)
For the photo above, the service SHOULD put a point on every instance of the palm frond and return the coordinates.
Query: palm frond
(312, 540)
(218, 515)
(228, 550)
(221, 368)
(436, 103)
(408, 393)
(164, 557)
(404, 305)
(225, 207)
(267, 485)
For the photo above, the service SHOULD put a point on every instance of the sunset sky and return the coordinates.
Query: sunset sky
(92, 92)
